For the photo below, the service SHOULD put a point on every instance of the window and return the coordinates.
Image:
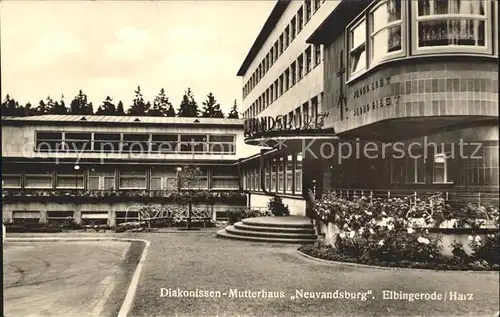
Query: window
(273, 176)
(271, 93)
(314, 108)
(135, 143)
(305, 113)
(298, 118)
(25, 217)
(293, 27)
(224, 178)
(452, 23)
(385, 30)
(70, 179)
(222, 143)
(200, 181)
(300, 66)
(317, 54)
(267, 179)
(440, 169)
(308, 10)
(107, 142)
(48, 141)
(101, 179)
(357, 45)
(163, 178)
(76, 142)
(289, 174)
(397, 171)
(415, 170)
(124, 216)
(298, 173)
(293, 70)
(94, 218)
(282, 43)
(281, 175)
(11, 176)
(38, 177)
(300, 19)
(58, 216)
(287, 80)
(317, 4)
(194, 143)
(308, 59)
(287, 37)
(133, 179)
(164, 143)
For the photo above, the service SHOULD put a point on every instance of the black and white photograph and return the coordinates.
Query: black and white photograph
(250, 158)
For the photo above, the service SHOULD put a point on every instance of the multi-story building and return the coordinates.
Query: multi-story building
(97, 167)
(407, 92)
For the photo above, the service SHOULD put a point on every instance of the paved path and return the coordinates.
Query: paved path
(62, 278)
(198, 260)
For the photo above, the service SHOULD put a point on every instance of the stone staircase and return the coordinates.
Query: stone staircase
(287, 229)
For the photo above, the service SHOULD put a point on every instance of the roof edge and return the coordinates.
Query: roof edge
(264, 33)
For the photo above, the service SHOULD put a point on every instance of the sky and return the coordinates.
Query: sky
(108, 48)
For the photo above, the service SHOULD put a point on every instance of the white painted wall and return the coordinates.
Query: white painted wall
(296, 206)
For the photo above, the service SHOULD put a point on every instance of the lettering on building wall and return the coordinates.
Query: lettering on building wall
(374, 85)
(383, 102)
(378, 101)
(283, 123)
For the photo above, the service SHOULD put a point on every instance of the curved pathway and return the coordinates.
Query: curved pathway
(192, 261)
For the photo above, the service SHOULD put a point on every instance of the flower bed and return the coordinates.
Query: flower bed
(395, 232)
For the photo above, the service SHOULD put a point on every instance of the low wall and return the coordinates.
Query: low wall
(446, 230)
(297, 206)
(77, 209)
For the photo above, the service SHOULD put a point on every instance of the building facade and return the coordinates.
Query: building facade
(410, 89)
(97, 167)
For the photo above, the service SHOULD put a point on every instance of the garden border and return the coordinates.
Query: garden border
(352, 264)
(134, 281)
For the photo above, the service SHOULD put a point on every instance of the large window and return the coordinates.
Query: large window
(300, 19)
(48, 141)
(268, 175)
(317, 54)
(101, 178)
(164, 143)
(76, 142)
(451, 23)
(224, 178)
(308, 59)
(300, 66)
(273, 176)
(293, 73)
(133, 179)
(298, 173)
(107, 142)
(357, 47)
(385, 30)
(415, 170)
(222, 144)
(440, 169)
(135, 143)
(293, 29)
(163, 179)
(289, 174)
(308, 10)
(11, 176)
(193, 143)
(281, 175)
(70, 179)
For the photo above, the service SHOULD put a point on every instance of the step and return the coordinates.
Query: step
(224, 234)
(278, 235)
(282, 223)
(242, 226)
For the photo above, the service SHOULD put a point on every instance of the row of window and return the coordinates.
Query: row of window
(47, 141)
(296, 25)
(106, 179)
(281, 175)
(437, 26)
(87, 217)
(292, 75)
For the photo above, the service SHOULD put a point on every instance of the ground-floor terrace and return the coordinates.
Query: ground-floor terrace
(461, 164)
(109, 194)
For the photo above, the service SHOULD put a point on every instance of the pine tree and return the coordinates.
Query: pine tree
(42, 108)
(188, 106)
(107, 107)
(119, 109)
(211, 109)
(62, 106)
(139, 107)
(80, 105)
(233, 114)
(162, 106)
(28, 110)
(54, 107)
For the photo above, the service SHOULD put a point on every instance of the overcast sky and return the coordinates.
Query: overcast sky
(111, 47)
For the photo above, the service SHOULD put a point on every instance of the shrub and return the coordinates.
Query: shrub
(277, 207)
(487, 248)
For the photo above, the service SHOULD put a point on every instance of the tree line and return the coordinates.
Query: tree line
(161, 106)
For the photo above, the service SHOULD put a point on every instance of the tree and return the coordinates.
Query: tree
(10, 107)
(211, 109)
(54, 107)
(107, 107)
(233, 114)
(42, 108)
(162, 106)
(28, 111)
(188, 107)
(80, 104)
(139, 107)
(119, 109)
